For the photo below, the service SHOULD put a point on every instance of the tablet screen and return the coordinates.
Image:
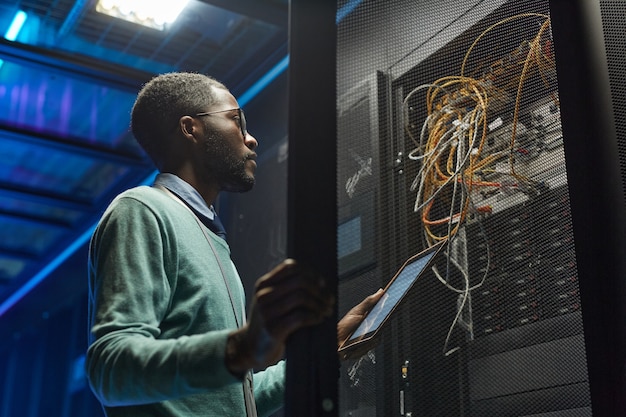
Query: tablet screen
(393, 294)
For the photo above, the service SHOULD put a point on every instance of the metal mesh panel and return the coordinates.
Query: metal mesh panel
(449, 130)
(614, 25)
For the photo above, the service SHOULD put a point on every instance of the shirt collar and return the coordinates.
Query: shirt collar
(187, 193)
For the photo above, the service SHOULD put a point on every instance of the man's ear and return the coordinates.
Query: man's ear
(188, 127)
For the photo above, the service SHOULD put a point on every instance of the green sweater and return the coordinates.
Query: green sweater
(160, 315)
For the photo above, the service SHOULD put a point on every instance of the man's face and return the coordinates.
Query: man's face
(229, 158)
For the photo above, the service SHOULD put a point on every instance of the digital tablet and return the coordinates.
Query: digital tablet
(364, 337)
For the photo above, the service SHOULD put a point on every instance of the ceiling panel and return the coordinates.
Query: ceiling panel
(82, 111)
(57, 172)
(28, 239)
(38, 210)
(204, 38)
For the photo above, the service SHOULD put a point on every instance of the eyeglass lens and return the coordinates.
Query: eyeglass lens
(242, 123)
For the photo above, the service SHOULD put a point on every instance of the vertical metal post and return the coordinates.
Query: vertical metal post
(596, 195)
(312, 361)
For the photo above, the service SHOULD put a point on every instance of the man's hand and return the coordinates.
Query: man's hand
(351, 320)
(286, 299)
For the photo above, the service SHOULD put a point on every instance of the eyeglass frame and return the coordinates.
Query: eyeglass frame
(241, 122)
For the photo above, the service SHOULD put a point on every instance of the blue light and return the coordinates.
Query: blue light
(43, 274)
(284, 63)
(16, 25)
(150, 178)
(346, 10)
(264, 81)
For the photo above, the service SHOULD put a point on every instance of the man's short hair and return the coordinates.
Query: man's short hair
(162, 102)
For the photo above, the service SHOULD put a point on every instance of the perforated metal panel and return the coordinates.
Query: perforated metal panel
(614, 25)
(449, 129)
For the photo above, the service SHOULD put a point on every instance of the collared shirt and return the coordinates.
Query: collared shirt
(194, 200)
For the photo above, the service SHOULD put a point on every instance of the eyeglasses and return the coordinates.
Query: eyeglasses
(241, 121)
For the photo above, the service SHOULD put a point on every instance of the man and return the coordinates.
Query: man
(169, 335)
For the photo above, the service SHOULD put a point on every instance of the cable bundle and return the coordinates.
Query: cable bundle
(452, 142)
(456, 159)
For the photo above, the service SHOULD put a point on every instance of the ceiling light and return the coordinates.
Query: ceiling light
(16, 25)
(157, 15)
(14, 28)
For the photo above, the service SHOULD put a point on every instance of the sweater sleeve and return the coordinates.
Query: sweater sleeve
(133, 257)
(269, 389)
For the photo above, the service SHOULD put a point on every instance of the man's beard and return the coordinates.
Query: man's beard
(220, 164)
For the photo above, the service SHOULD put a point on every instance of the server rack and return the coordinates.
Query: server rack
(517, 342)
